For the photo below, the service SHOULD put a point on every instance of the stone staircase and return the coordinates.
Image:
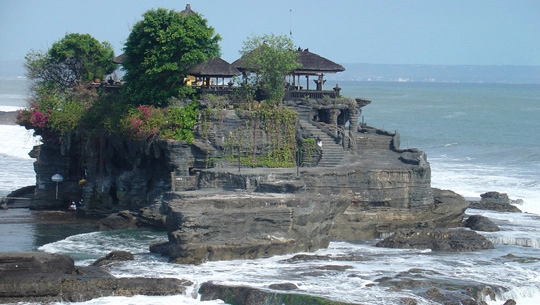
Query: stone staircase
(332, 153)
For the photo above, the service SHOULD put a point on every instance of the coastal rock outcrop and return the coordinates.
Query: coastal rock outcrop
(368, 220)
(453, 240)
(361, 184)
(253, 296)
(235, 226)
(46, 277)
(114, 256)
(495, 201)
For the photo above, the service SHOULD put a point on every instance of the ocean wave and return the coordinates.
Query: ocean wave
(17, 141)
(10, 108)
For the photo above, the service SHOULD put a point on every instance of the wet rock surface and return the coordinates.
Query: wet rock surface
(114, 256)
(254, 296)
(426, 284)
(45, 277)
(453, 240)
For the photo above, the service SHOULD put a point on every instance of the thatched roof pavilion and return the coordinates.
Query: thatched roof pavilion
(120, 59)
(312, 63)
(214, 67)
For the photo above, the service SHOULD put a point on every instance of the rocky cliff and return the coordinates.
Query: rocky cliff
(358, 183)
(220, 226)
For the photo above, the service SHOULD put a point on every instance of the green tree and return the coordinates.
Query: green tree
(75, 59)
(272, 57)
(60, 96)
(161, 49)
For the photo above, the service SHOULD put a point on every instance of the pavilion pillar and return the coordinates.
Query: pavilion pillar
(333, 114)
(354, 115)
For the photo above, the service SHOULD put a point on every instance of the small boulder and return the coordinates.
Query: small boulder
(480, 223)
(151, 217)
(114, 256)
(160, 247)
(283, 286)
(118, 221)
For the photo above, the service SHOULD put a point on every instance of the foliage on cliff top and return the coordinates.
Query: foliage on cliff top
(159, 52)
(71, 61)
(63, 100)
(60, 92)
(272, 57)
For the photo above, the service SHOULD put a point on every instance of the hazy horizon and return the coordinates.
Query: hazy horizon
(506, 74)
(460, 32)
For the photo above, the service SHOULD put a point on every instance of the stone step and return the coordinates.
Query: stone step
(332, 153)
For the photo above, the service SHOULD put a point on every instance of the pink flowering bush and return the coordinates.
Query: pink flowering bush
(146, 122)
(33, 117)
(52, 113)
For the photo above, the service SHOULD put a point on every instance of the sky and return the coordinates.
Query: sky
(431, 32)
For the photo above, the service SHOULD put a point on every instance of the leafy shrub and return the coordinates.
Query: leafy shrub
(176, 123)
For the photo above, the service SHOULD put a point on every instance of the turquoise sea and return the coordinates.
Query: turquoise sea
(478, 138)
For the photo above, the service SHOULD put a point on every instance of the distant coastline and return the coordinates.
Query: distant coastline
(503, 74)
(439, 73)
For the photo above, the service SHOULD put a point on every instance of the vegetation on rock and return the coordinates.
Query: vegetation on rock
(159, 52)
(272, 57)
(279, 126)
(75, 59)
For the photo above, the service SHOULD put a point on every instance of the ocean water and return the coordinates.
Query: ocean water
(478, 138)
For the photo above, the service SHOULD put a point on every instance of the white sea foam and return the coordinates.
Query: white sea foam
(471, 181)
(16, 141)
(500, 162)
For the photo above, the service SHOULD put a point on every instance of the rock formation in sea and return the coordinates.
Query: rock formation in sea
(46, 278)
(495, 201)
(348, 181)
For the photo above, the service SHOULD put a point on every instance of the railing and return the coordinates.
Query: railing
(289, 94)
(303, 94)
(216, 90)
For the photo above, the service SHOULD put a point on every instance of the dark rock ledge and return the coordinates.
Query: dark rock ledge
(253, 296)
(45, 277)
(495, 201)
(453, 240)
